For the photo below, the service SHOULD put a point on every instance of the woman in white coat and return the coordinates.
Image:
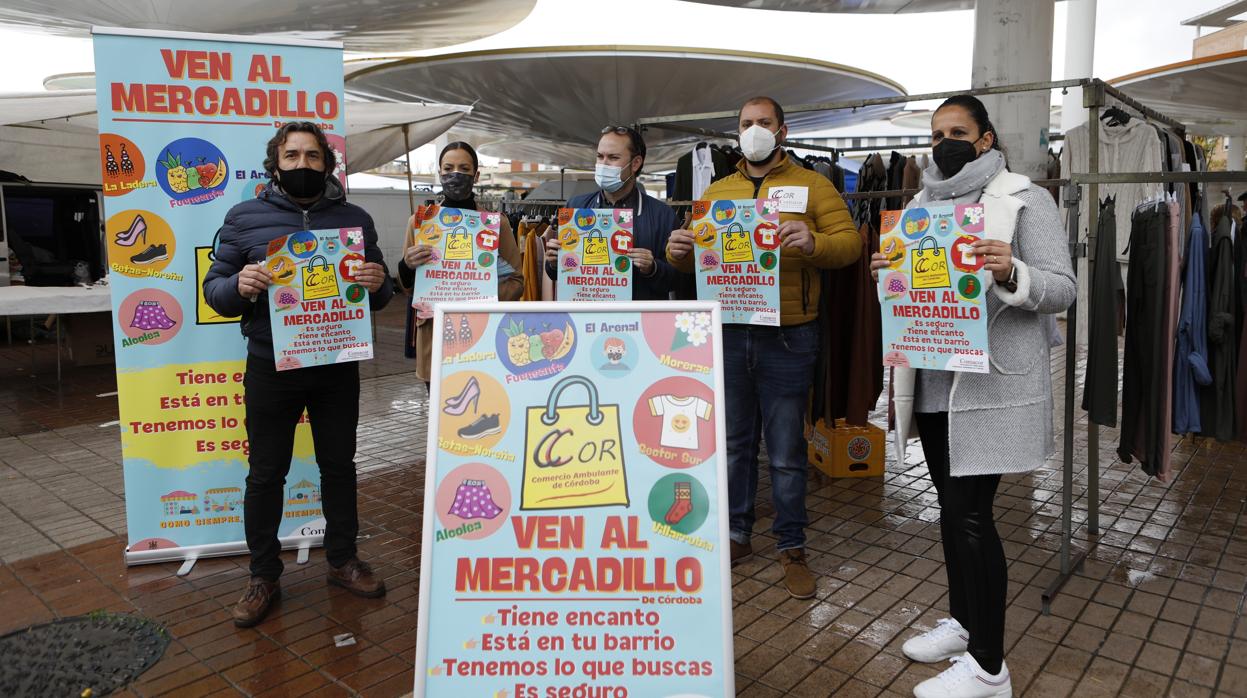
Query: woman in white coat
(976, 427)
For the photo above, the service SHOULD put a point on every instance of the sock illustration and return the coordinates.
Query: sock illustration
(682, 505)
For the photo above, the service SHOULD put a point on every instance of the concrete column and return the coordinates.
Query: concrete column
(1079, 58)
(1013, 44)
(1234, 152)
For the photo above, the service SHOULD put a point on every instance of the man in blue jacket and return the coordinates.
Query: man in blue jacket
(303, 195)
(620, 156)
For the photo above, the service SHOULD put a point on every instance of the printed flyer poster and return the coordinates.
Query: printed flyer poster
(737, 263)
(465, 257)
(183, 124)
(575, 522)
(593, 254)
(319, 313)
(934, 291)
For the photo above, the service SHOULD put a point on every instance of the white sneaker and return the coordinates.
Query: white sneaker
(943, 642)
(966, 679)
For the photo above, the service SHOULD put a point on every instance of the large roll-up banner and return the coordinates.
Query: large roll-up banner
(184, 120)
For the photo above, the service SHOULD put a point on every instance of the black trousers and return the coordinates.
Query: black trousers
(1143, 361)
(275, 402)
(974, 557)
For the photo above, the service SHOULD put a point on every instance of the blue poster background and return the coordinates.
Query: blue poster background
(575, 520)
(184, 120)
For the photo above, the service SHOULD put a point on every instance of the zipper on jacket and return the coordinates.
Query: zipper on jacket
(307, 219)
(805, 293)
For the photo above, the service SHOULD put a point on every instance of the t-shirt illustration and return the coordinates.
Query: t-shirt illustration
(679, 419)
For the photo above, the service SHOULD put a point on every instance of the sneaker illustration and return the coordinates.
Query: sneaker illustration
(153, 253)
(485, 425)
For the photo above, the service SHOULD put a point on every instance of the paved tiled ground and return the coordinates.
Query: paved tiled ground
(1156, 611)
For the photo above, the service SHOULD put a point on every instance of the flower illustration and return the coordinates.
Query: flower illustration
(698, 336)
(684, 322)
(701, 320)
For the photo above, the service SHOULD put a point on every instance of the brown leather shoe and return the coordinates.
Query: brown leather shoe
(255, 602)
(740, 551)
(797, 576)
(357, 577)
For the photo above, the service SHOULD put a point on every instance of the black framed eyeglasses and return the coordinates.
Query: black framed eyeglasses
(638, 144)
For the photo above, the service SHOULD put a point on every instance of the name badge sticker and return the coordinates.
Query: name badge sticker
(791, 199)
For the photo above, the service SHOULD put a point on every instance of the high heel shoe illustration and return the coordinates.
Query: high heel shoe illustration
(138, 229)
(470, 395)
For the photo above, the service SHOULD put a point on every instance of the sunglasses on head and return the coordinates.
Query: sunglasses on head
(638, 145)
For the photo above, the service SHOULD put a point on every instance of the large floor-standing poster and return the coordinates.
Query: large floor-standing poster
(575, 521)
(184, 119)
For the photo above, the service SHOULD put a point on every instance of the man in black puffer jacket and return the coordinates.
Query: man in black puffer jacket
(304, 195)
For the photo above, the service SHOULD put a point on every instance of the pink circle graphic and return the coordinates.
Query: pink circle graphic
(149, 315)
(678, 343)
(673, 422)
(473, 494)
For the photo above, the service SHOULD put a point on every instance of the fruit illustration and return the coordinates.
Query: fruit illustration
(551, 340)
(207, 172)
(176, 173)
(536, 349)
(192, 178)
(517, 344)
(567, 338)
(218, 174)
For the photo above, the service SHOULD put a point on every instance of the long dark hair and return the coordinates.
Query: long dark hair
(271, 156)
(460, 145)
(978, 112)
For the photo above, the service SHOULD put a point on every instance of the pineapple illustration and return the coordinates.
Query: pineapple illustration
(519, 348)
(176, 173)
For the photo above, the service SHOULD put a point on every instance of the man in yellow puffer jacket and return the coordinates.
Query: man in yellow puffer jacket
(768, 371)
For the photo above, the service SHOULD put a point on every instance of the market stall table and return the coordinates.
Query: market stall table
(56, 301)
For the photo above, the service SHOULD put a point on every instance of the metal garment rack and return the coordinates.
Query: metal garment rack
(1095, 98)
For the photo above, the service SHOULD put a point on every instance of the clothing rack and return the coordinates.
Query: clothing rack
(1095, 94)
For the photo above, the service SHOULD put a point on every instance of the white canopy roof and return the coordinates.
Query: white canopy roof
(1207, 94)
(52, 136)
(863, 6)
(371, 25)
(549, 104)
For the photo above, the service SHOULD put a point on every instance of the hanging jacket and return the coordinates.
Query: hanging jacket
(1191, 361)
(1217, 403)
(1099, 394)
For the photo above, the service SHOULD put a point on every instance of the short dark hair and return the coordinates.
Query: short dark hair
(636, 143)
(271, 155)
(974, 107)
(763, 99)
(460, 145)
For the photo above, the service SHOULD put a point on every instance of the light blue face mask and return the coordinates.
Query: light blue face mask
(608, 177)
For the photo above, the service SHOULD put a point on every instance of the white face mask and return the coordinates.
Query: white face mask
(610, 177)
(757, 143)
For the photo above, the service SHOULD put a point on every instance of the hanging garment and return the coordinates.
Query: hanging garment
(1099, 396)
(534, 259)
(1143, 361)
(851, 336)
(1166, 339)
(1217, 400)
(1130, 147)
(1191, 361)
(911, 178)
(703, 170)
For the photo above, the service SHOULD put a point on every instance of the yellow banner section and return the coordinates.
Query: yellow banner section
(182, 415)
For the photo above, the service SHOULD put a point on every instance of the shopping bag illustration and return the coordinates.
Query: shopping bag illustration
(737, 245)
(319, 280)
(930, 266)
(596, 253)
(573, 454)
(459, 244)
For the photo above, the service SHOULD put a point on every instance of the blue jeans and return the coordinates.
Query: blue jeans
(767, 374)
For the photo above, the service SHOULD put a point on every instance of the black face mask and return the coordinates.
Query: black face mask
(457, 186)
(951, 155)
(302, 182)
